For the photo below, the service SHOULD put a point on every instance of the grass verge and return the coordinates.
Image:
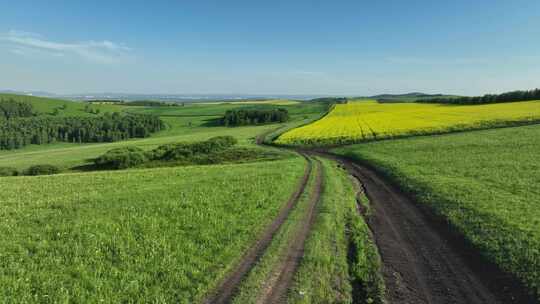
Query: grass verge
(341, 263)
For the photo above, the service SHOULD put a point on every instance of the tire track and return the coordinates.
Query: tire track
(278, 284)
(423, 259)
(228, 287)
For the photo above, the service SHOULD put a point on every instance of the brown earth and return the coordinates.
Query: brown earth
(423, 260)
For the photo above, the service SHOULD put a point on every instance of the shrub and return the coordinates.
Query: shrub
(8, 171)
(121, 158)
(42, 170)
(179, 151)
(127, 157)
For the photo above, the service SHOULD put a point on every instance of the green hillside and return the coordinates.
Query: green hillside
(47, 106)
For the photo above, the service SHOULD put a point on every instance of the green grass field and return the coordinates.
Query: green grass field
(486, 183)
(157, 235)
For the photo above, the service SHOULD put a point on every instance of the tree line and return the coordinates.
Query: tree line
(9, 109)
(331, 100)
(488, 98)
(141, 103)
(149, 103)
(243, 117)
(18, 132)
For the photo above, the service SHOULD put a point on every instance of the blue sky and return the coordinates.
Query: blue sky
(270, 47)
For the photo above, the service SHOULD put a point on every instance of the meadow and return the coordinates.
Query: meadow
(153, 235)
(485, 183)
(366, 120)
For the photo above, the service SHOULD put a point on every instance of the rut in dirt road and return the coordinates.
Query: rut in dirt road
(229, 286)
(280, 280)
(423, 263)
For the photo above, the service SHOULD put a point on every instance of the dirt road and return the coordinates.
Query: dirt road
(423, 262)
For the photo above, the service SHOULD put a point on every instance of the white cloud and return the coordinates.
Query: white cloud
(24, 43)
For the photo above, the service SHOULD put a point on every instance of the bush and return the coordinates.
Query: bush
(121, 158)
(127, 157)
(8, 171)
(179, 151)
(214, 144)
(42, 170)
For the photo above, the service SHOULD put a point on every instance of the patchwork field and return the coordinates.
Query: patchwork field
(486, 183)
(189, 123)
(255, 223)
(217, 109)
(158, 235)
(366, 120)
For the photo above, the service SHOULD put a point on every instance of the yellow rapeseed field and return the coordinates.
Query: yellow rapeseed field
(358, 121)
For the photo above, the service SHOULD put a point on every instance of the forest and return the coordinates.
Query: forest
(9, 108)
(331, 100)
(18, 132)
(488, 98)
(244, 117)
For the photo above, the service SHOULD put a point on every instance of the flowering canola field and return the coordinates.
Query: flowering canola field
(365, 120)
